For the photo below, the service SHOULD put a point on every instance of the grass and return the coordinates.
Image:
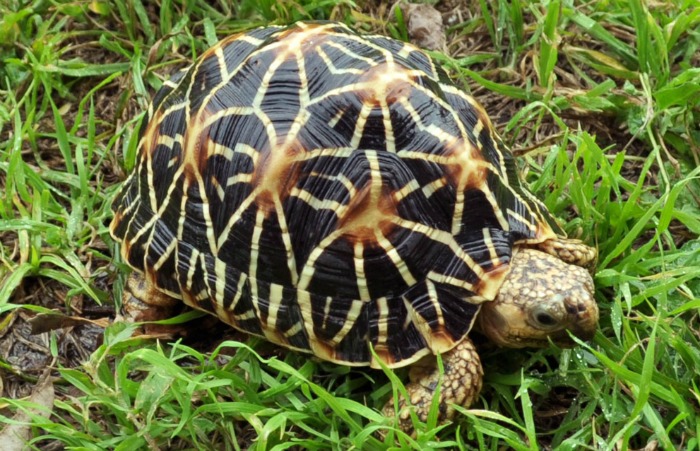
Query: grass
(600, 99)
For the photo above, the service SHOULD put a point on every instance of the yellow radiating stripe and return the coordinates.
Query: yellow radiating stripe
(396, 259)
(219, 189)
(476, 131)
(245, 316)
(207, 121)
(375, 177)
(347, 183)
(205, 273)
(407, 319)
(191, 267)
(433, 296)
(293, 46)
(332, 68)
(350, 53)
(304, 302)
(188, 92)
(246, 149)
(388, 127)
(337, 152)
(220, 270)
(303, 79)
(360, 125)
(157, 212)
(307, 271)
(447, 107)
(215, 148)
(405, 191)
(483, 116)
(183, 203)
(250, 40)
(289, 43)
(239, 291)
(327, 311)
(169, 84)
(414, 317)
(254, 254)
(252, 276)
(443, 237)
(360, 276)
(432, 187)
(458, 211)
(382, 320)
(521, 219)
(488, 241)
(353, 313)
(315, 202)
(405, 50)
(148, 161)
(275, 301)
(418, 155)
(502, 220)
(168, 141)
(166, 254)
(223, 72)
(432, 129)
(239, 178)
(206, 213)
(295, 329)
(148, 226)
(219, 52)
(236, 216)
(335, 119)
(172, 108)
(286, 239)
(449, 280)
(367, 41)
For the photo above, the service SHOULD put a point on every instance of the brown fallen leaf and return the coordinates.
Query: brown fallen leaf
(14, 437)
(424, 25)
(45, 322)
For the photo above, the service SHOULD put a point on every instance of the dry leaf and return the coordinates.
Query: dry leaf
(14, 437)
(51, 321)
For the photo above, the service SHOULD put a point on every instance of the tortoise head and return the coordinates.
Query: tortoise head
(542, 299)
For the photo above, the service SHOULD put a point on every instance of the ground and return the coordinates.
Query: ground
(599, 101)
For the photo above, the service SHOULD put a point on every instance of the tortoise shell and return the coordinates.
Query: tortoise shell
(328, 191)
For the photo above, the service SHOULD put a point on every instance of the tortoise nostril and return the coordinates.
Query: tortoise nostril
(572, 308)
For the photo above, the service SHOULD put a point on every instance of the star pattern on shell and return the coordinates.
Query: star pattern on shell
(328, 191)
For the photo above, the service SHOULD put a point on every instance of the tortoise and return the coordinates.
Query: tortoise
(337, 194)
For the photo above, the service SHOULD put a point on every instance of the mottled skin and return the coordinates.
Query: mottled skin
(546, 295)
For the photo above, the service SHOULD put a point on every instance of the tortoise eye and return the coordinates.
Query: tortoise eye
(542, 318)
(545, 319)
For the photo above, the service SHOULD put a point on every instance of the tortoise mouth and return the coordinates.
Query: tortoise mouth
(563, 338)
